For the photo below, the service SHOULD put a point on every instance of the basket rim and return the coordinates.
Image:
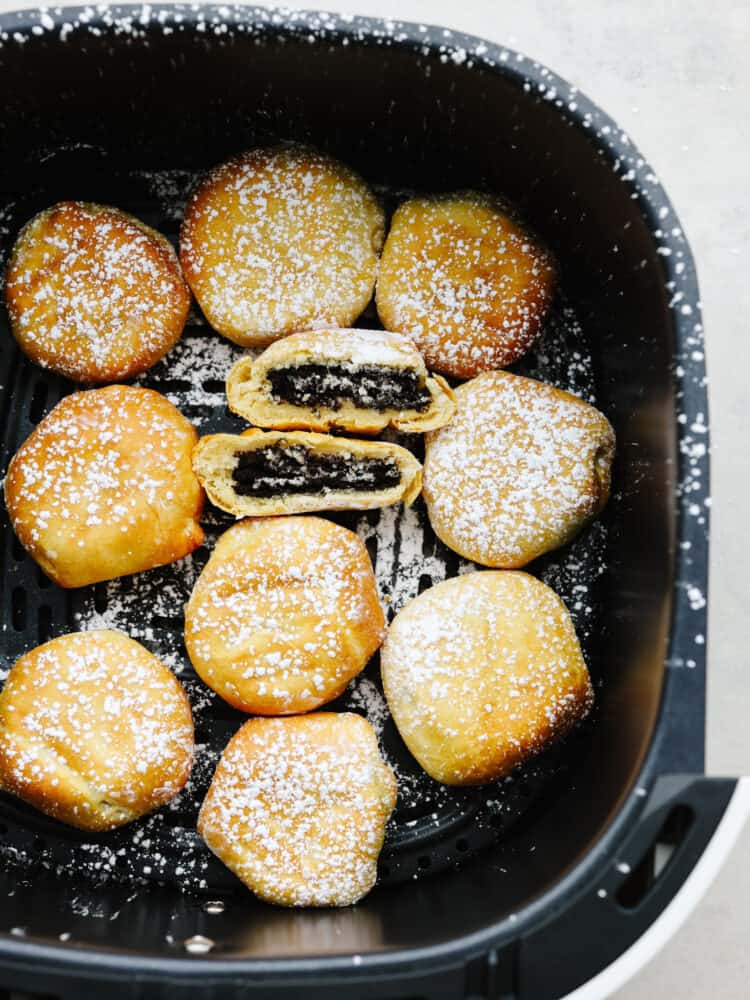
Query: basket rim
(690, 562)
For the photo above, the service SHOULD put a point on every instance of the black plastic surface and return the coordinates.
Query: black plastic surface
(573, 941)
(129, 90)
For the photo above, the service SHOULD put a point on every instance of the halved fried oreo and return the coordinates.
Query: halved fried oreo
(353, 380)
(261, 473)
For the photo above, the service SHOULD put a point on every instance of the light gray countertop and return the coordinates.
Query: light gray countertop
(675, 75)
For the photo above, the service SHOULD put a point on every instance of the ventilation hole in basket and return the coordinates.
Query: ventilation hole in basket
(174, 385)
(213, 385)
(451, 560)
(462, 844)
(18, 609)
(19, 552)
(100, 597)
(38, 402)
(170, 624)
(372, 549)
(655, 859)
(44, 622)
(425, 582)
(424, 862)
(42, 580)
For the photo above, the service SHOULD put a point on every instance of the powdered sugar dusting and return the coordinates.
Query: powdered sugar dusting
(488, 661)
(280, 240)
(365, 697)
(298, 808)
(144, 855)
(95, 714)
(148, 607)
(93, 293)
(106, 470)
(193, 375)
(517, 471)
(401, 535)
(468, 284)
(407, 558)
(284, 614)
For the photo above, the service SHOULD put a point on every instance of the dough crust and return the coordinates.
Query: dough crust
(520, 469)
(481, 672)
(93, 293)
(297, 808)
(278, 240)
(250, 394)
(104, 486)
(469, 284)
(94, 730)
(284, 615)
(215, 459)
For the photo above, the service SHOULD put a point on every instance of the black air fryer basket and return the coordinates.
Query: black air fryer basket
(526, 889)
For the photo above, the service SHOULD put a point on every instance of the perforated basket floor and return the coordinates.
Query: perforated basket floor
(433, 826)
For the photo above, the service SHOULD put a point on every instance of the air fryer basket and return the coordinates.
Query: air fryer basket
(524, 890)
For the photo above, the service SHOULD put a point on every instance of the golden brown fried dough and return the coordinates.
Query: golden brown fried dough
(104, 486)
(469, 284)
(481, 672)
(297, 808)
(278, 240)
(93, 293)
(94, 730)
(520, 469)
(285, 613)
(359, 381)
(261, 473)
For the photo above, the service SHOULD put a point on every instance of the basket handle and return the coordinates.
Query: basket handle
(638, 899)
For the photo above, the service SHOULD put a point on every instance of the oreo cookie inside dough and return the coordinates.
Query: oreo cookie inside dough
(264, 473)
(293, 469)
(373, 386)
(358, 381)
